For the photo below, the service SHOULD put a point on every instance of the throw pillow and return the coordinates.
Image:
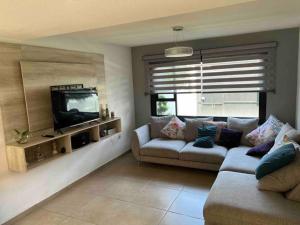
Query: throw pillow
(174, 129)
(261, 150)
(266, 132)
(219, 124)
(191, 128)
(158, 123)
(294, 194)
(244, 125)
(204, 142)
(207, 131)
(286, 134)
(284, 179)
(230, 138)
(276, 160)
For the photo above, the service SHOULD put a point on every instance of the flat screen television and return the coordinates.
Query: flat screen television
(73, 107)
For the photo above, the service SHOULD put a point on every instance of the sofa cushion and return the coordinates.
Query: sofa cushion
(237, 161)
(284, 179)
(234, 199)
(281, 157)
(191, 127)
(230, 138)
(164, 148)
(158, 123)
(215, 155)
(243, 125)
(294, 194)
(266, 132)
(262, 149)
(174, 129)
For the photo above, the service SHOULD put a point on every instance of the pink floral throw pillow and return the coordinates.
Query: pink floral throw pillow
(266, 132)
(174, 129)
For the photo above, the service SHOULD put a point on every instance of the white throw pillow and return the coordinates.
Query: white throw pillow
(286, 134)
(174, 129)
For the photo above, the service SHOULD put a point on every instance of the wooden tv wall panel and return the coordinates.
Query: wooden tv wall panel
(37, 79)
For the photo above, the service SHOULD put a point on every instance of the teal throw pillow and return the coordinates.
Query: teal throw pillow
(275, 160)
(204, 142)
(207, 131)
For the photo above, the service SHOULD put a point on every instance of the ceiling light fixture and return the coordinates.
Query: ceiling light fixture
(178, 51)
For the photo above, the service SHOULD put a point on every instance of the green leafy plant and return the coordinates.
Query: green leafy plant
(22, 136)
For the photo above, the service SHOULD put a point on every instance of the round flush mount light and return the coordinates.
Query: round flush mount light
(178, 51)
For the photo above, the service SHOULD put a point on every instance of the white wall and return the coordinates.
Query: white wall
(20, 191)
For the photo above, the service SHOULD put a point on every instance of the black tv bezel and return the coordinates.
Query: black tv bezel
(92, 90)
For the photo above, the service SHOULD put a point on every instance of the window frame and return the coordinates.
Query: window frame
(261, 108)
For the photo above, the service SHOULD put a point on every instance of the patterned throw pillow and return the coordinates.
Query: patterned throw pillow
(174, 129)
(266, 132)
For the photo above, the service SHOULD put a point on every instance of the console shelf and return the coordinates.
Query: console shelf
(39, 150)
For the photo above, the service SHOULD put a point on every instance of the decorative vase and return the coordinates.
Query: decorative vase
(22, 136)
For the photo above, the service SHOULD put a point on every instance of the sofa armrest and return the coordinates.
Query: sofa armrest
(140, 137)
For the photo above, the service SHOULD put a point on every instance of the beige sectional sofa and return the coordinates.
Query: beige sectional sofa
(234, 198)
(175, 152)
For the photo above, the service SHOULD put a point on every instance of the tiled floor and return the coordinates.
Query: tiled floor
(126, 193)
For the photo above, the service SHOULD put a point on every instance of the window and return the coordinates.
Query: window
(213, 82)
(246, 104)
(219, 104)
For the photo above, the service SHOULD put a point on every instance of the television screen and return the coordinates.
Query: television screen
(73, 107)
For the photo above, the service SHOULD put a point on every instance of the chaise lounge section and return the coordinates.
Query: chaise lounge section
(234, 198)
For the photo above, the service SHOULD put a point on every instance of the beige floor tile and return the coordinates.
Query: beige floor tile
(124, 188)
(69, 202)
(177, 219)
(95, 184)
(155, 196)
(189, 204)
(108, 211)
(44, 217)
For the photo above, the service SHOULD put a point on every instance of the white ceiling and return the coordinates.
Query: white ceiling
(140, 22)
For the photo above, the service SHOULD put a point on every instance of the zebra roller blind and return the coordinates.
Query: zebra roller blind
(249, 68)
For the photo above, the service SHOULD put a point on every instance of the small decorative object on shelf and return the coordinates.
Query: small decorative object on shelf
(103, 113)
(54, 148)
(107, 112)
(22, 136)
(112, 114)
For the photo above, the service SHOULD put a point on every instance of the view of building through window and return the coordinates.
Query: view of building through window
(210, 104)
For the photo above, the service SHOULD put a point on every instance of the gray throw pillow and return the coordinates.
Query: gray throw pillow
(191, 127)
(284, 179)
(294, 194)
(157, 124)
(244, 125)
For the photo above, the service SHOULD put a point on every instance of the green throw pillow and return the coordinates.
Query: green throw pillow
(275, 160)
(207, 131)
(204, 142)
